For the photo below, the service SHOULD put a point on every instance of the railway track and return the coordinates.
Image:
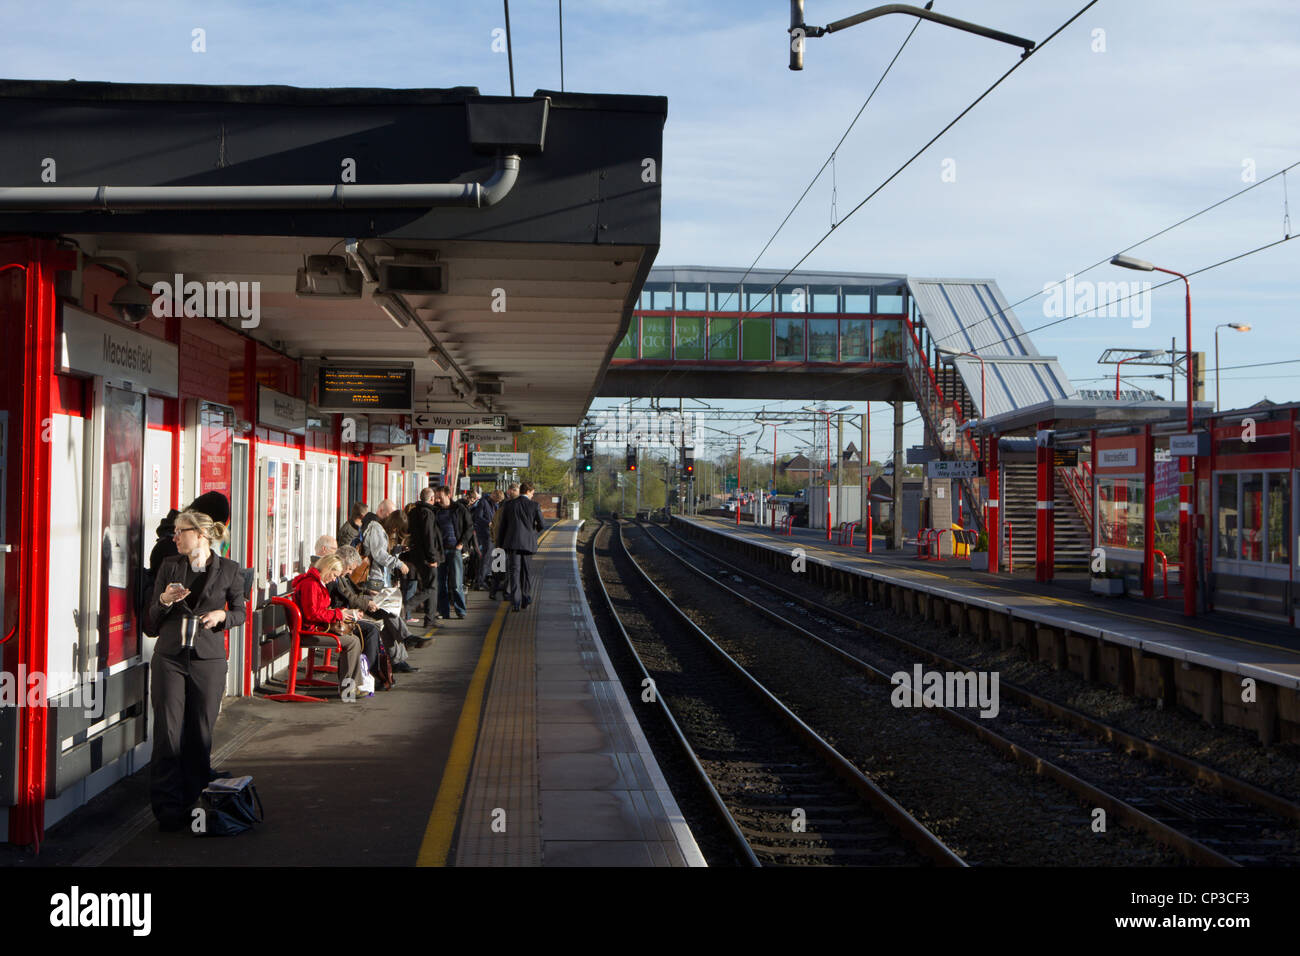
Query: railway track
(1210, 817)
(786, 796)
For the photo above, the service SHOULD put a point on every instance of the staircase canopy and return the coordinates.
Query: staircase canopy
(972, 315)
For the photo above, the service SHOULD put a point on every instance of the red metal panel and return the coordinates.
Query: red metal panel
(40, 261)
(1044, 523)
(1149, 516)
(994, 505)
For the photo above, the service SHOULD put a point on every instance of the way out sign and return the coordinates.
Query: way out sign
(952, 469)
(501, 459)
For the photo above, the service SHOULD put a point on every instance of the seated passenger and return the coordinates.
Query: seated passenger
(395, 636)
(311, 594)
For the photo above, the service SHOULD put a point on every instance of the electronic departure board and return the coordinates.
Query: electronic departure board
(361, 388)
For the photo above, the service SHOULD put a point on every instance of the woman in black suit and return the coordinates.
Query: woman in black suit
(197, 595)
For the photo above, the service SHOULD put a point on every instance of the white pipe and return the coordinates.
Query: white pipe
(346, 196)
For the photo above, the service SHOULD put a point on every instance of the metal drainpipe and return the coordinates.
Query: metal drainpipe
(354, 196)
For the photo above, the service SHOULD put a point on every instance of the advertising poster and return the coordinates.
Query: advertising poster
(282, 536)
(122, 520)
(214, 449)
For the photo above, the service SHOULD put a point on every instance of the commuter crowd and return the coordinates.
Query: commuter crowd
(385, 573)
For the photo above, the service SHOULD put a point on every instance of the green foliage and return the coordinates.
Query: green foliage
(981, 542)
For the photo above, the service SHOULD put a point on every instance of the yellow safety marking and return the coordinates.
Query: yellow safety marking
(1051, 599)
(446, 806)
(436, 844)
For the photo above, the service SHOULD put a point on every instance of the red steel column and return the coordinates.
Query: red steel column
(1149, 516)
(29, 453)
(994, 506)
(1043, 524)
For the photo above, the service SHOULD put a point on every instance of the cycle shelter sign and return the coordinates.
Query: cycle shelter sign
(500, 459)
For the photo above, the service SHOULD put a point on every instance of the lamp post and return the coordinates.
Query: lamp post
(1151, 353)
(1186, 495)
(1240, 327)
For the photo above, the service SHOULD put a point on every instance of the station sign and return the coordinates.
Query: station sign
(96, 346)
(485, 437)
(952, 469)
(500, 459)
(279, 410)
(1117, 457)
(349, 388)
(1184, 446)
(477, 421)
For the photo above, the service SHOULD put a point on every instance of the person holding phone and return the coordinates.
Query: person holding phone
(197, 595)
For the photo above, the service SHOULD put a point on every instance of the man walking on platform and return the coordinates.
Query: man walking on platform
(521, 522)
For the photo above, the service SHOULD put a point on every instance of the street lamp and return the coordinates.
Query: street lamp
(799, 30)
(1186, 499)
(1240, 327)
(1151, 353)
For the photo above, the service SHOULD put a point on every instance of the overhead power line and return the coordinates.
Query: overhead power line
(1103, 261)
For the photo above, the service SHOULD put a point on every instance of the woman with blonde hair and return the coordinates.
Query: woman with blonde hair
(197, 595)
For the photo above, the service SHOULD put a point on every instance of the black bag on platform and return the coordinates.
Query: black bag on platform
(230, 806)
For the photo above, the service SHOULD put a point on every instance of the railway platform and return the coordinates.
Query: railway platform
(512, 745)
(1144, 647)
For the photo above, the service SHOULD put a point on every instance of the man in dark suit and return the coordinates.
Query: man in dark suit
(521, 522)
(197, 595)
(426, 553)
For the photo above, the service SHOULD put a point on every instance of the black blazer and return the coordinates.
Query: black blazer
(425, 538)
(521, 522)
(223, 591)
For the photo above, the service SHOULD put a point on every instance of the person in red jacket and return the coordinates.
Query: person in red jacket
(309, 590)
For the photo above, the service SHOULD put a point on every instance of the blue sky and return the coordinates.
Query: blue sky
(1077, 155)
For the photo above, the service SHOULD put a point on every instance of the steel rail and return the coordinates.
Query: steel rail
(908, 826)
(719, 805)
(1130, 743)
(1188, 846)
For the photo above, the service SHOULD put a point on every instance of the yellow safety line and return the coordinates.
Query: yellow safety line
(1063, 601)
(446, 806)
(436, 844)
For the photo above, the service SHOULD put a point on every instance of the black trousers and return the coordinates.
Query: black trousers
(424, 603)
(519, 567)
(186, 700)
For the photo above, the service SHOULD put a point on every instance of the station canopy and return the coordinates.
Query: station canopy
(528, 223)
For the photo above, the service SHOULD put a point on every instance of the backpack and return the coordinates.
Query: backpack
(383, 674)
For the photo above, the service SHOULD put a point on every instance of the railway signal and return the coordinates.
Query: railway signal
(688, 461)
(631, 459)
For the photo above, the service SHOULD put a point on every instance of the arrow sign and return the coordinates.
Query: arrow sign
(470, 420)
